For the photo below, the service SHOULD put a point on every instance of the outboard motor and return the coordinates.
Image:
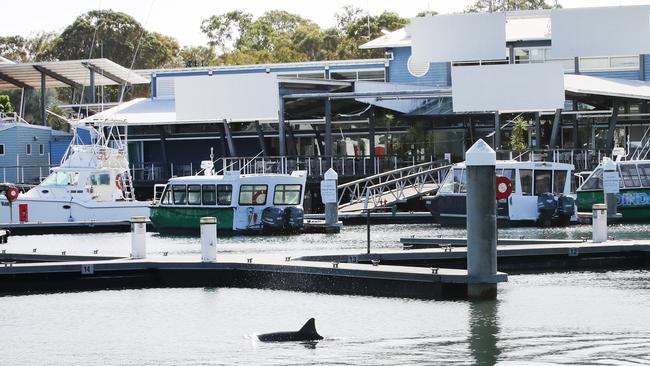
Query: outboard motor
(546, 206)
(293, 218)
(272, 219)
(565, 208)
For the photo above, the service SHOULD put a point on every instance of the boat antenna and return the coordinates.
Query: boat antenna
(135, 54)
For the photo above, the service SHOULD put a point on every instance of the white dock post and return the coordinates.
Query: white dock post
(599, 222)
(138, 237)
(481, 220)
(208, 239)
(328, 192)
(610, 188)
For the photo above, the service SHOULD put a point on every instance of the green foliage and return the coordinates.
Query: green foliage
(5, 104)
(518, 140)
(506, 5)
(21, 49)
(55, 122)
(426, 13)
(196, 56)
(114, 35)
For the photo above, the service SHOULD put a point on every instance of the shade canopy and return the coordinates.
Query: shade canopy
(71, 73)
(584, 84)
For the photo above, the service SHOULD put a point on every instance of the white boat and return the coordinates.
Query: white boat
(242, 203)
(90, 189)
(541, 195)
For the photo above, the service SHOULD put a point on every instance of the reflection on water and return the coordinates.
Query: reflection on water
(484, 329)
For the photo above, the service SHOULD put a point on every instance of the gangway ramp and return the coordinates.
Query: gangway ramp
(386, 189)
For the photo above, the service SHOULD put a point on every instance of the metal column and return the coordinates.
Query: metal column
(613, 120)
(538, 132)
(43, 101)
(556, 128)
(260, 137)
(371, 138)
(281, 133)
(231, 143)
(328, 127)
(92, 96)
(497, 131)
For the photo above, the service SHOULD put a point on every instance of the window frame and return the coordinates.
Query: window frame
(28, 149)
(188, 190)
(213, 189)
(2, 149)
(253, 190)
(174, 194)
(229, 203)
(284, 203)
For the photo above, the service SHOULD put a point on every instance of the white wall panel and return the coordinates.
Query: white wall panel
(518, 87)
(246, 97)
(607, 31)
(459, 37)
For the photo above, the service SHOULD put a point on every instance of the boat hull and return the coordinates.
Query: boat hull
(632, 204)
(187, 219)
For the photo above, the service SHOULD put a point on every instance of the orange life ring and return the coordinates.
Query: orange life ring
(118, 182)
(256, 195)
(12, 193)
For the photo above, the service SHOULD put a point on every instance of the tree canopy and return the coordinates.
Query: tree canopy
(507, 5)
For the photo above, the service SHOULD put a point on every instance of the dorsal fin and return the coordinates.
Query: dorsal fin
(309, 327)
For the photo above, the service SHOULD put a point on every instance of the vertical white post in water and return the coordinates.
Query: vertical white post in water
(610, 188)
(480, 161)
(599, 222)
(208, 239)
(328, 193)
(138, 237)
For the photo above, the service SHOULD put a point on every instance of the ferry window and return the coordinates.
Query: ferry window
(252, 194)
(644, 174)
(526, 177)
(224, 194)
(510, 174)
(630, 175)
(194, 194)
(180, 194)
(166, 197)
(287, 194)
(209, 195)
(458, 181)
(543, 181)
(595, 181)
(61, 179)
(104, 179)
(559, 181)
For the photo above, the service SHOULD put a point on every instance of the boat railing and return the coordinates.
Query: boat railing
(582, 159)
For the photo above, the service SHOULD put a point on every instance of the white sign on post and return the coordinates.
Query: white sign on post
(328, 191)
(610, 182)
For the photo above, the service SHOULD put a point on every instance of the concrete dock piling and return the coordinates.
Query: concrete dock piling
(138, 237)
(480, 160)
(208, 239)
(599, 222)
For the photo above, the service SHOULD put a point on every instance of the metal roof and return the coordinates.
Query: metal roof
(66, 74)
(520, 26)
(584, 84)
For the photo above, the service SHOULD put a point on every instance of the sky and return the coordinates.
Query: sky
(181, 19)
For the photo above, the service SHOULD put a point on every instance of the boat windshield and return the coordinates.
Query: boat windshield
(595, 180)
(61, 179)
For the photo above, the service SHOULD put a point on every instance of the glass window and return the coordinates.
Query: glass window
(209, 195)
(224, 194)
(180, 194)
(526, 177)
(630, 175)
(543, 180)
(252, 194)
(287, 194)
(166, 197)
(644, 173)
(104, 179)
(595, 181)
(92, 179)
(194, 194)
(559, 181)
(29, 149)
(2, 149)
(61, 179)
(458, 182)
(448, 183)
(41, 149)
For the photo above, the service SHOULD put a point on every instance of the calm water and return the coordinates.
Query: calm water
(560, 318)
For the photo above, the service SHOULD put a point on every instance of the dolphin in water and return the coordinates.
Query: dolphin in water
(306, 333)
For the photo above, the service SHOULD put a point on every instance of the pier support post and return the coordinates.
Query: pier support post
(599, 222)
(610, 188)
(481, 220)
(208, 239)
(328, 192)
(138, 237)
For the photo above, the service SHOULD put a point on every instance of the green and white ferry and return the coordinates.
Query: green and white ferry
(633, 199)
(242, 203)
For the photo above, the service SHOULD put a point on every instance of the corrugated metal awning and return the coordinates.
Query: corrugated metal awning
(66, 74)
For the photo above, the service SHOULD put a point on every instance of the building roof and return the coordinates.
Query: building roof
(584, 84)
(139, 111)
(520, 26)
(66, 73)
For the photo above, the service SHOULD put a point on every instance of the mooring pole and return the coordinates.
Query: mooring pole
(328, 192)
(610, 188)
(208, 239)
(138, 237)
(481, 221)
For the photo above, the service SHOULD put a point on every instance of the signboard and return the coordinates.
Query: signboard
(328, 191)
(610, 182)
(508, 87)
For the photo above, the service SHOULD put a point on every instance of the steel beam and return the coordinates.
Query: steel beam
(260, 137)
(43, 101)
(556, 128)
(497, 131)
(106, 74)
(292, 150)
(13, 81)
(438, 92)
(613, 120)
(282, 135)
(56, 76)
(231, 143)
(538, 132)
(93, 98)
(371, 137)
(328, 127)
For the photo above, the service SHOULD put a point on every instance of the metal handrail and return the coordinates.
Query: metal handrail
(390, 172)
